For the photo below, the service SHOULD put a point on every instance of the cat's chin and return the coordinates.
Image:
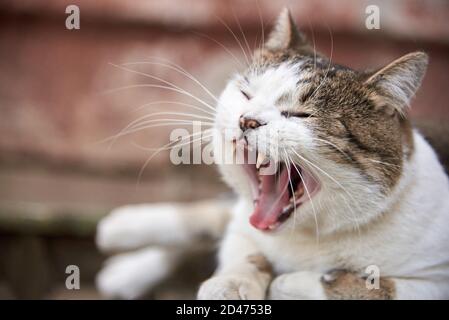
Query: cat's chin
(278, 193)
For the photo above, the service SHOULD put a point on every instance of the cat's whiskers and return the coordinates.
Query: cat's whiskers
(314, 47)
(169, 86)
(397, 167)
(353, 214)
(173, 87)
(152, 123)
(226, 49)
(235, 38)
(141, 123)
(261, 25)
(292, 189)
(159, 151)
(331, 210)
(159, 102)
(322, 171)
(148, 85)
(149, 121)
(310, 198)
(309, 24)
(194, 116)
(349, 157)
(165, 124)
(385, 163)
(333, 179)
(241, 30)
(335, 146)
(329, 64)
(177, 143)
(178, 69)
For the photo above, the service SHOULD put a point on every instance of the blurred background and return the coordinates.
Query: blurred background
(62, 95)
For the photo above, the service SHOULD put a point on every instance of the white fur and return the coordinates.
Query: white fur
(232, 287)
(161, 224)
(265, 88)
(135, 226)
(130, 275)
(408, 242)
(161, 227)
(352, 225)
(302, 285)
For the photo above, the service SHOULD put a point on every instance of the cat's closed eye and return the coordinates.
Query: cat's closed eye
(299, 114)
(245, 94)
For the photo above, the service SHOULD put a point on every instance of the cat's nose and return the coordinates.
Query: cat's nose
(249, 123)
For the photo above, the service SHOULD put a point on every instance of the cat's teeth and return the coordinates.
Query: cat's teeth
(287, 207)
(260, 159)
(273, 226)
(299, 192)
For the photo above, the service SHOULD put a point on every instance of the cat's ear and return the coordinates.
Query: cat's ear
(398, 82)
(285, 34)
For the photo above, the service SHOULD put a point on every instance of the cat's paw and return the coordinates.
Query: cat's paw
(135, 226)
(130, 275)
(302, 285)
(336, 276)
(344, 284)
(231, 288)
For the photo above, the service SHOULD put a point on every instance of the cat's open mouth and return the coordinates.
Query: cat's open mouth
(278, 193)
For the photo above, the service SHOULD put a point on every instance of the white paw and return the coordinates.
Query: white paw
(135, 226)
(231, 288)
(303, 285)
(130, 275)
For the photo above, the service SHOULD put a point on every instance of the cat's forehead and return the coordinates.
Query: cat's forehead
(276, 78)
(295, 75)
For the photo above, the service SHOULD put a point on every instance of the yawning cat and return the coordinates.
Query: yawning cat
(354, 188)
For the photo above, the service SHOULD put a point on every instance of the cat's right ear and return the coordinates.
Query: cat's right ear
(285, 34)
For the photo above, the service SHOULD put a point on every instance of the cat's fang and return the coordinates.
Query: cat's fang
(260, 159)
(274, 225)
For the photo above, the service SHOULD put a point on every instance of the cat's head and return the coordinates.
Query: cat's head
(338, 138)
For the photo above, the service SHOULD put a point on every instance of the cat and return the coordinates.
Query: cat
(356, 187)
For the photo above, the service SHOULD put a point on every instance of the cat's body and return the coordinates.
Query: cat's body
(355, 188)
(407, 244)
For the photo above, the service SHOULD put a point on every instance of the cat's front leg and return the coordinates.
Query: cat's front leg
(336, 284)
(162, 224)
(243, 273)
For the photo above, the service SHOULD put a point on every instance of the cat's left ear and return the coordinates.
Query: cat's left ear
(285, 34)
(398, 82)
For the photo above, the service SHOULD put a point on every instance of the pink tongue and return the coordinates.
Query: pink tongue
(273, 197)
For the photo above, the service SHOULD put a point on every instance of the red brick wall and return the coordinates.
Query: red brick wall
(53, 109)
